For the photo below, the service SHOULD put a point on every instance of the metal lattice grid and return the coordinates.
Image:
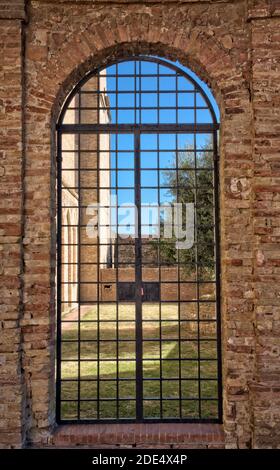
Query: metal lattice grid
(138, 328)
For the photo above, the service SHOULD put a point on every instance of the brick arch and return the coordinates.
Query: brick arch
(89, 46)
(198, 51)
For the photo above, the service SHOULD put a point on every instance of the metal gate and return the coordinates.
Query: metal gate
(138, 312)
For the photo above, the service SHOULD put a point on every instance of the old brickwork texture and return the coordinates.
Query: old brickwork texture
(46, 48)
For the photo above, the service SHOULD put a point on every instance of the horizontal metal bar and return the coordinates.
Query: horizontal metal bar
(192, 321)
(89, 302)
(116, 400)
(108, 282)
(132, 92)
(162, 339)
(145, 359)
(140, 75)
(153, 379)
(144, 420)
(131, 128)
(153, 150)
(137, 108)
(131, 187)
(144, 169)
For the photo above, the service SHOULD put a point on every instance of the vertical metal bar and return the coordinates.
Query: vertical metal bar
(98, 251)
(80, 222)
(178, 265)
(117, 247)
(138, 283)
(137, 85)
(58, 248)
(135, 94)
(218, 274)
(117, 279)
(196, 263)
(177, 105)
(159, 260)
(117, 299)
(179, 288)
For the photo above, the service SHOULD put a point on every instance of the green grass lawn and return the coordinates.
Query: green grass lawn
(108, 340)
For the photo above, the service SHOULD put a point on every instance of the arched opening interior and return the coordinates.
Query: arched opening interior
(138, 247)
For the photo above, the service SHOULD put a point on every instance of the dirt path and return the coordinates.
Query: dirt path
(73, 315)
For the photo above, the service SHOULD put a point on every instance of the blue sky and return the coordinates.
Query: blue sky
(141, 92)
(166, 96)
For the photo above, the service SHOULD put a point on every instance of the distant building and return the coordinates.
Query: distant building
(90, 187)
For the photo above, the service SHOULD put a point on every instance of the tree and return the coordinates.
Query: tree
(193, 182)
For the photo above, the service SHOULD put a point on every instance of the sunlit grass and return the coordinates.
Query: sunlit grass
(117, 340)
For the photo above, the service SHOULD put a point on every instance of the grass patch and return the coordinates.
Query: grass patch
(108, 340)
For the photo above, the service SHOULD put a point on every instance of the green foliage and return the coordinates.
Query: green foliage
(193, 183)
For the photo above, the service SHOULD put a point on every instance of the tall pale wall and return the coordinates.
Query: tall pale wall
(235, 47)
(90, 152)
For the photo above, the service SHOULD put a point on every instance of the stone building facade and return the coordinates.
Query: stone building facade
(71, 184)
(47, 46)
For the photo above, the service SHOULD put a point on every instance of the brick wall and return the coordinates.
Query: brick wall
(12, 400)
(266, 210)
(158, 436)
(12, 9)
(234, 46)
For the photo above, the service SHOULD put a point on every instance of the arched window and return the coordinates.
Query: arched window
(138, 176)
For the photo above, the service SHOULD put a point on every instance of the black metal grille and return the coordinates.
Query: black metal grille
(138, 328)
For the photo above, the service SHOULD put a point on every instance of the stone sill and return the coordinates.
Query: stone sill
(165, 435)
